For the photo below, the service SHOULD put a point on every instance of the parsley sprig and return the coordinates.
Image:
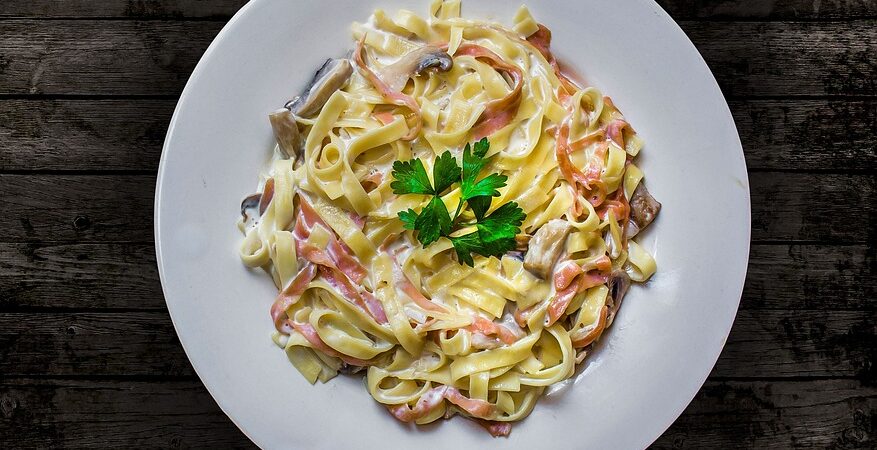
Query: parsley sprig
(494, 233)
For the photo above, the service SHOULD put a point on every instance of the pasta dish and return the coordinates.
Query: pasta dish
(450, 213)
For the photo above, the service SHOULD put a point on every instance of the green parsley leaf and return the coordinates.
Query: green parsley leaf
(504, 222)
(480, 205)
(410, 178)
(487, 186)
(472, 165)
(445, 172)
(408, 218)
(473, 162)
(433, 222)
(495, 233)
(464, 246)
(481, 147)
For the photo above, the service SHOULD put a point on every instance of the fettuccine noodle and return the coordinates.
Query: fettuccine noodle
(358, 293)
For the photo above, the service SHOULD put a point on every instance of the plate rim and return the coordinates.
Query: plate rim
(660, 14)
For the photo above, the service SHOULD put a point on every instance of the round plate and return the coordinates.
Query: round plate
(647, 368)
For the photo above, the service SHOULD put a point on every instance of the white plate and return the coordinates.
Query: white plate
(650, 364)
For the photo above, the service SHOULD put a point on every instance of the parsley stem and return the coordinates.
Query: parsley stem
(459, 208)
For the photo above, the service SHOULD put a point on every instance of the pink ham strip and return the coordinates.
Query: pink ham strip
(338, 252)
(474, 407)
(426, 403)
(541, 40)
(595, 332)
(356, 218)
(488, 327)
(522, 315)
(593, 138)
(412, 292)
(337, 266)
(560, 302)
(498, 113)
(290, 295)
(572, 279)
(433, 398)
(309, 333)
(345, 262)
(496, 429)
(619, 204)
(385, 117)
(603, 264)
(615, 131)
(367, 302)
(565, 275)
(584, 185)
(390, 95)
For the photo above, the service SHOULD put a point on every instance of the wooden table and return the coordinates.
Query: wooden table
(88, 355)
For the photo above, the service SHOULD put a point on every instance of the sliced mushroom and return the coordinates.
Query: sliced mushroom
(619, 282)
(546, 246)
(643, 210)
(331, 76)
(250, 209)
(396, 75)
(286, 132)
(254, 206)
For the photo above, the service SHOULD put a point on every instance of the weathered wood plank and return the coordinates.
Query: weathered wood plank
(807, 134)
(785, 206)
(777, 59)
(124, 414)
(769, 10)
(79, 276)
(72, 208)
(756, 415)
(99, 275)
(87, 344)
(763, 343)
(135, 9)
(125, 58)
(100, 57)
(811, 277)
(220, 9)
(811, 343)
(820, 207)
(83, 134)
(86, 135)
(113, 414)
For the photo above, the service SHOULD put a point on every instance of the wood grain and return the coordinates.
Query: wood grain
(100, 57)
(779, 59)
(86, 57)
(785, 206)
(89, 344)
(811, 277)
(88, 355)
(134, 9)
(762, 414)
(763, 343)
(807, 206)
(769, 9)
(223, 9)
(84, 135)
(79, 276)
(807, 134)
(113, 414)
(125, 414)
(84, 276)
(77, 208)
